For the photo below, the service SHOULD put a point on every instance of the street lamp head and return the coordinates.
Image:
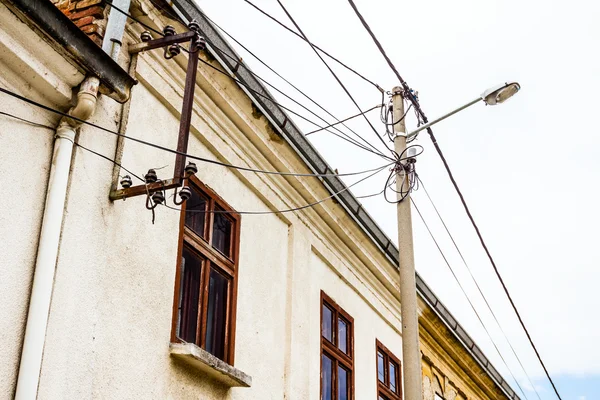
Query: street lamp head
(501, 93)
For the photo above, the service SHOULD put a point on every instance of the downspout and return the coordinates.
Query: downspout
(56, 197)
(45, 264)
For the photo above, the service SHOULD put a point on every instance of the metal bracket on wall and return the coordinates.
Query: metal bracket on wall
(171, 45)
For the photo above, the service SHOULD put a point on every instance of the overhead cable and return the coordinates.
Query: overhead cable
(313, 45)
(374, 172)
(278, 75)
(467, 297)
(190, 156)
(477, 285)
(333, 73)
(335, 194)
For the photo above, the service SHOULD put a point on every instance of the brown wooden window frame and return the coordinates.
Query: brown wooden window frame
(214, 260)
(330, 349)
(383, 388)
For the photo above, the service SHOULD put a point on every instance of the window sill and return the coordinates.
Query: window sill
(210, 365)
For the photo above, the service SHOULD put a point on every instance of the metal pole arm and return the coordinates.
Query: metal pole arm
(443, 117)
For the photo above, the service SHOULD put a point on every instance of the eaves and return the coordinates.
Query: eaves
(73, 44)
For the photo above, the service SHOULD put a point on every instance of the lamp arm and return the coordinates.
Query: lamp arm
(443, 117)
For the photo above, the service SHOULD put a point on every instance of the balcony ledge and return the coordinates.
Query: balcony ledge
(210, 365)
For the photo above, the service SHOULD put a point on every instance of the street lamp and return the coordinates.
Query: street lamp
(495, 95)
(406, 263)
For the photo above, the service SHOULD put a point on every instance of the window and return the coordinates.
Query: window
(205, 282)
(389, 382)
(337, 352)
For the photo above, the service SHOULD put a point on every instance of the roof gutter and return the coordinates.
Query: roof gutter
(72, 43)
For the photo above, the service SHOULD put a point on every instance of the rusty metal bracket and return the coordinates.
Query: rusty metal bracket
(162, 42)
(197, 43)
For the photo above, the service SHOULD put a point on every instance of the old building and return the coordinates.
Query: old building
(99, 301)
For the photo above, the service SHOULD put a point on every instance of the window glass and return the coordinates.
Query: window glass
(327, 378)
(342, 384)
(327, 325)
(189, 295)
(342, 335)
(195, 215)
(393, 377)
(221, 239)
(216, 314)
(380, 367)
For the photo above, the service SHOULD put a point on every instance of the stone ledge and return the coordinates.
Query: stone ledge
(210, 365)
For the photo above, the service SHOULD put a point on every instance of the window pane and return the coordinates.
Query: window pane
(343, 335)
(393, 377)
(222, 233)
(327, 324)
(342, 384)
(326, 378)
(380, 367)
(194, 217)
(216, 314)
(189, 294)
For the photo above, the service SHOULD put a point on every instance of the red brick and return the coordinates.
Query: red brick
(95, 11)
(90, 29)
(84, 21)
(96, 38)
(86, 3)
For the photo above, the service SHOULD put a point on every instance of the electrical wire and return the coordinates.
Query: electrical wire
(286, 210)
(373, 149)
(75, 143)
(341, 134)
(333, 73)
(277, 74)
(344, 120)
(374, 171)
(420, 112)
(27, 121)
(314, 45)
(190, 156)
(477, 285)
(467, 297)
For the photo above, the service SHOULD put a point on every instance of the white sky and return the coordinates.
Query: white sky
(528, 168)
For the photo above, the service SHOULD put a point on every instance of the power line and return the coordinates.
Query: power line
(417, 107)
(341, 134)
(75, 143)
(277, 74)
(289, 209)
(313, 45)
(374, 171)
(346, 136)
(332, 73)
(478, 287)
(467, 296)
(268, 98)
(344, 120)
(35, 103)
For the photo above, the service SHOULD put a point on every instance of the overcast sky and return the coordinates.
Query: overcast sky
(528, 168)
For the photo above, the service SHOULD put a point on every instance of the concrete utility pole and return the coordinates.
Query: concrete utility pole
(411, 354)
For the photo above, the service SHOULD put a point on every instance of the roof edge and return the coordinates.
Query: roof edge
(72, 43)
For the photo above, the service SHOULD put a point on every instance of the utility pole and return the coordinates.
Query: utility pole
(411, 354)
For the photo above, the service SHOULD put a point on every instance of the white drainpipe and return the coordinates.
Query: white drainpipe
(45, 264)
(56, 196)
